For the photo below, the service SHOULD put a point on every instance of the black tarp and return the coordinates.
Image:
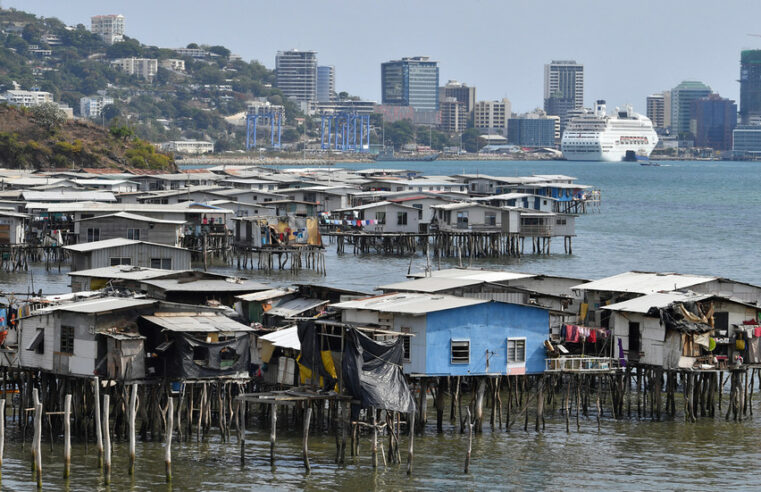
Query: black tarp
(225, 358)
(310, 357)
(372, 372)
(673, 319)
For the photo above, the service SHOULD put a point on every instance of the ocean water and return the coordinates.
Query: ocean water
(689, 217)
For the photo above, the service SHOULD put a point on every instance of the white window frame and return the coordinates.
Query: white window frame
(515, 363)
(132, 232)
(452, 342)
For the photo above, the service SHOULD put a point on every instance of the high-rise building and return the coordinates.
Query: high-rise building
(563, 88)
(714, 120)
(682, 98)
(750, 85)
(454, 115)
(656, 110)
(492, 116)
(326, 83)
(461, 92)
(412, 81)
(109, 27)
(296, 73)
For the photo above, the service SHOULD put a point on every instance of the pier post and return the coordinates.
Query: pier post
(305, 445)
(169, 432)
(38, 442)
(2, 432)
(67, 436)
(131, 411)
(98, 429)
(410, 452)
(470, 442)
(273, 432)
(106, 439)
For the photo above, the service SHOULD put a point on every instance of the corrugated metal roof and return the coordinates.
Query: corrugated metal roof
(208, 285)
(460, 205)
(285, 338)
(644, 282)
(295, 306)
(198, 324)
(93, 306)
(68, 196)
(125, 272)
(136, 217)
(430, 284)
(658, 300)
(264, 295)
(112, 243)
(409, 303)
(474, 274)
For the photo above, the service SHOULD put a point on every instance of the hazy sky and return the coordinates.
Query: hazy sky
(629, 48)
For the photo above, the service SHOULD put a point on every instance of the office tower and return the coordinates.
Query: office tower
(412, 81)
(563, 88)
(326, 84)
(296, 74)
(682, 98)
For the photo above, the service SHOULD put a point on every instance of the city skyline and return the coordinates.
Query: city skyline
(662, 44)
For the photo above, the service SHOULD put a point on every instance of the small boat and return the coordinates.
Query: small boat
(651, 164)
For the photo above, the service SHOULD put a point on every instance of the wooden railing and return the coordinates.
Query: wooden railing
(580, 363)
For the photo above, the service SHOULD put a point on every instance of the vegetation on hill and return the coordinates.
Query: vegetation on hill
(41, 137)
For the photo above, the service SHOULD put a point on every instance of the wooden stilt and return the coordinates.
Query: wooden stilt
(410, 453)
(273, 433)
(131, 413)
(38, 443)
(169, 432)
(106, 439)
(305, 445)
(98, 429)
(67, 436)
(2, 433)
(470, 442)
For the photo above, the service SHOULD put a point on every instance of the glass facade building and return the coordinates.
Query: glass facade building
(326, 83)
(715, 119)
(531, 132)
(296, 73)
(411, 82)
(750, 85)
(683, 97)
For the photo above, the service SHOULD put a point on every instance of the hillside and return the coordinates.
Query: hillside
(29, 140)
(71, 62)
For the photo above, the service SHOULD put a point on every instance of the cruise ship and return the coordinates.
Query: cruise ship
(598, 136)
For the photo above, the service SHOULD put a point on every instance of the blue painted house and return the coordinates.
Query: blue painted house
(456, 336)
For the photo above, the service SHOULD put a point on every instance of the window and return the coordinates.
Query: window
(201, 355)
(462, 219)
(93, 234)
(401, 218)
(560, 221)
(67, 340)
(163, 263)
(120, 260)
(516, 350)
(460, 351)
(380, 217)
(38, 342)
(490, 218)
(133, 234)
(406, 344)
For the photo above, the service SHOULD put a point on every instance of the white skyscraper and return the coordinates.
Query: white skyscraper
(109, 27)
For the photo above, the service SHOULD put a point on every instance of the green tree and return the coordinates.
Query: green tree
(220, 50)
(400, 133)
(49, 115)
(470, 140)
(124, 49)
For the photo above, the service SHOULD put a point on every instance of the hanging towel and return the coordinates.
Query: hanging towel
(757, 331)
(592, 336)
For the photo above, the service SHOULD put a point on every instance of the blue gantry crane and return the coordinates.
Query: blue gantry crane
(252, 120)
(345, 131)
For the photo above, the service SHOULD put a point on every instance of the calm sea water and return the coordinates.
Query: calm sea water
(690, 217)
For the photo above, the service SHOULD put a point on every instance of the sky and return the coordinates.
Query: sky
(629, 49)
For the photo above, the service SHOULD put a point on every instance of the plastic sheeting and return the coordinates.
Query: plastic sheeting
(372, 372)
(224, 358)
(311, 357)
(672, 317)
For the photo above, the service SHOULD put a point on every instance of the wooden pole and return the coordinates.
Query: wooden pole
(67, 436)
(375, 437)
(305, 445)
(132, 411)
(106, 439)
(98, 430)
(38, 443)
(273, 433)
(169, 431)
(2, 433)
(470, 442)
(242, 430)
(410, 453)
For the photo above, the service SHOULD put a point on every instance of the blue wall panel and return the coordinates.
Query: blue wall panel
(487, 326)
